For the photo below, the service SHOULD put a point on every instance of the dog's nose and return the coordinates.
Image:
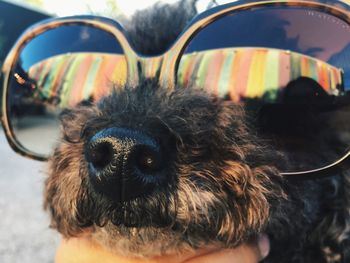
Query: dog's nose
(123, 163)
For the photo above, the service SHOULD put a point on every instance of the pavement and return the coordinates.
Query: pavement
(25, 235)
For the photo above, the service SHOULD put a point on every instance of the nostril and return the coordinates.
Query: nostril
(100, 154)
(148, 160)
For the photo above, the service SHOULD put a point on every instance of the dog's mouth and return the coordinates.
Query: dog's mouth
(157, 210)
(133, 216)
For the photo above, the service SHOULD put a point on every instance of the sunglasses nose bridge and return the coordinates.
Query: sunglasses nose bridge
(149, 67)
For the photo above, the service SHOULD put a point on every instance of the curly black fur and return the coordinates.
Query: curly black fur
(149, 36)
(210, 151)
(224, 187)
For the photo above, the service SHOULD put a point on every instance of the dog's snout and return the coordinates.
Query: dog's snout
(123, 163)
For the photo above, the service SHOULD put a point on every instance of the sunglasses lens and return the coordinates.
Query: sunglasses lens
(59, 68)
(290, 68)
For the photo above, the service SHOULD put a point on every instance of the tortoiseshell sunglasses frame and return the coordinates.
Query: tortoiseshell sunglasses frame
(140, 66)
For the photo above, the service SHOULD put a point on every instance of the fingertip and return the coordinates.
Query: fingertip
(263, 243)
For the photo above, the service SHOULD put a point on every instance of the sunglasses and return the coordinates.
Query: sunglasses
(286, 62)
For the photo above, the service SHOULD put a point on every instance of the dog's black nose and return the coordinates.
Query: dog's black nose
(123, 163)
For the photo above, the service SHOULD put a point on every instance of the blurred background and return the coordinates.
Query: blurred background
(24, 227)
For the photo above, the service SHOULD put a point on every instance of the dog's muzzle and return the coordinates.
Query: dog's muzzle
(124, 164)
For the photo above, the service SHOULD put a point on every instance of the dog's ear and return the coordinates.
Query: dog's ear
(332, 234)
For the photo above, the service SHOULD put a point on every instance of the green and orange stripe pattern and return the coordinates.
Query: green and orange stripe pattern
(252, 72)
(234, 72)
(77, 76)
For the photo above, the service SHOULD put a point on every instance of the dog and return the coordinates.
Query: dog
(203, 176)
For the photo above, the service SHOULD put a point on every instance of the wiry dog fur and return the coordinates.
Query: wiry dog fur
(223, 187)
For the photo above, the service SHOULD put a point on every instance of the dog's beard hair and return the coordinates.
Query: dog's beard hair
(185, 217)
(141, 228)
(145, 227)
(157, 210)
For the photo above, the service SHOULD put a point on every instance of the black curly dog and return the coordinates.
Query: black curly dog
(191, 172)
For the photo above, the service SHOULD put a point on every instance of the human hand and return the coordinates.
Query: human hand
(84, 250)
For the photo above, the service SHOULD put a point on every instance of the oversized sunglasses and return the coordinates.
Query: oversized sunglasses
(287, 62)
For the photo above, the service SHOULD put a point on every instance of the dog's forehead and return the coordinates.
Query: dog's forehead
(153, 30)
(150, 106)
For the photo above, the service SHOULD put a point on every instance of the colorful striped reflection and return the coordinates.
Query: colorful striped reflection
(71, 78)
(254, 72)
(235, 72)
